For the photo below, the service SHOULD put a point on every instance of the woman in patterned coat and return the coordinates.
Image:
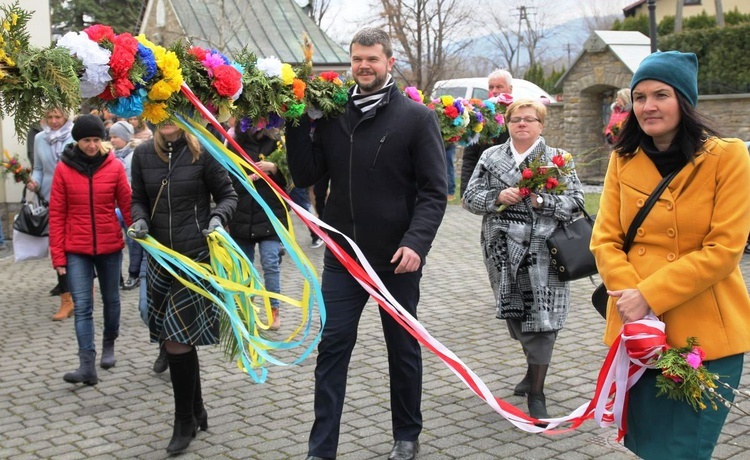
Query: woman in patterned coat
(515, 229)
(173, 183)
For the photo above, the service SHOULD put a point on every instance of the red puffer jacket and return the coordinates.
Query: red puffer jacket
(85, 193)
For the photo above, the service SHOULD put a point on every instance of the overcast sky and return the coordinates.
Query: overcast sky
(344, 17)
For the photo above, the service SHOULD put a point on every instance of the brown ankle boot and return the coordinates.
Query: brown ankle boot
(66, 307)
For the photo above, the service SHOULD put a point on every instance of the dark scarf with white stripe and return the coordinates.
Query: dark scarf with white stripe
(369, 101)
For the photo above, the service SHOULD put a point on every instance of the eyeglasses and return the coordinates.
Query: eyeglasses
(524, 119)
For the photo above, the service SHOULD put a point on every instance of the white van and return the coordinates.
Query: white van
(476, 88)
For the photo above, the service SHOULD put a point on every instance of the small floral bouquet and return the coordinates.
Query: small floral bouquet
(684, 378)
(214, 79)
(453, 117)
(13, 166)
(540, 176)
(324, 95)
(476, 122)
(269, 88)
(493, 113)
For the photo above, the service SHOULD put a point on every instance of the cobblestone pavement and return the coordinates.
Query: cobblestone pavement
(129, 413)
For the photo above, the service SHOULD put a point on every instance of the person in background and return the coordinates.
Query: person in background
(620, 110)
(140, 130)
(301, 196)
(85, 235)
(500, 81)
(528, 295)
(30, 136)
(397, 176)
(251, 226)
(121, 137)
(174, 182)
(683, 265)
(48, 148)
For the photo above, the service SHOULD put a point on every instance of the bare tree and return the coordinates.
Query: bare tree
(599, 15)
(719, 13)
(678, 16)
(519, 30)
(428, 33)
(317, 9)
(506, 41)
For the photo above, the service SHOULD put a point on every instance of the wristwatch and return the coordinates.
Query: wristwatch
(539, 200)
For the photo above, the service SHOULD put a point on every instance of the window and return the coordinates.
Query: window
(692, 2)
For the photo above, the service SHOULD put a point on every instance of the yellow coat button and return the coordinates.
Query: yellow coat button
(671, 256)
(640, 231)
(670, 206)
(639, 203)
(641, 251)
(671, 233)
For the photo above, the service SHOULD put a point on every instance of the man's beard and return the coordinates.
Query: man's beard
(376, 84)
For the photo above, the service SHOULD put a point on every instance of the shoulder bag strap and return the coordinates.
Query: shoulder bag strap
(164, 183)
(638, 220)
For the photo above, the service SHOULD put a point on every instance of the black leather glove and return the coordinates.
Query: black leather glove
(139, 229)
(213, 224)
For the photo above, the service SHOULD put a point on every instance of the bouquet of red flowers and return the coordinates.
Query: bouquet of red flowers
(540, 176)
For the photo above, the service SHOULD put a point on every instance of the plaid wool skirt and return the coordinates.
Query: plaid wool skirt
(176, 313)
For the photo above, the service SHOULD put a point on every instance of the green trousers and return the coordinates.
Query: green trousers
(660, 428)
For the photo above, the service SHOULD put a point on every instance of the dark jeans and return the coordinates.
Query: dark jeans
(345, 300)
(135, 253)
(81, 282)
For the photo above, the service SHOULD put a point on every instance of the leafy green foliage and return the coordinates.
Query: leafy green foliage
(75, 15)
(32, 79)
(723, 60)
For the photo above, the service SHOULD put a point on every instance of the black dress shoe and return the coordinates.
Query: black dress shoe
(404, 450)
(313, 457)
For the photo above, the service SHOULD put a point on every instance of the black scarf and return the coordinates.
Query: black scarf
(665, 161)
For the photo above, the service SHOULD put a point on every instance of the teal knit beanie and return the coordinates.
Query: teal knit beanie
(678, 70)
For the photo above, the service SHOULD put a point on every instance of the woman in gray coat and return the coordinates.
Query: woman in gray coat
(517, 222)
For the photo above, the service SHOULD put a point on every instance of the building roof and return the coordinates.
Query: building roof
(267, 28)
(628, 9)
(629, 47)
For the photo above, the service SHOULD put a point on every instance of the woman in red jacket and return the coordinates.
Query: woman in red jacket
(85, 234)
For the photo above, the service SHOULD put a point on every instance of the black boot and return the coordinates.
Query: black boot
(161, 365)
(86, 372)
(182, 370)
(524, 386)
(199, 411)
(536, 400)
(108, 351)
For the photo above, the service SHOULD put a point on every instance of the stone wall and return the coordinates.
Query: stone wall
(728, 113)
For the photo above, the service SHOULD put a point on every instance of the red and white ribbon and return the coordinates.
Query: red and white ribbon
(641, 340)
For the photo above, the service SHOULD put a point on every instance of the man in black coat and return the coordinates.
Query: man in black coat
(498, 82)
(386, 162)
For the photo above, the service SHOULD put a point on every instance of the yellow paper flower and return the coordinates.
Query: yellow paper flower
(567, 157)
(478, 127)
(446, 100)
(287, 74)
(224, 113)
(160, 91)
(155, 112)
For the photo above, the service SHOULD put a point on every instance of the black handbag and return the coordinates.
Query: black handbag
(569, 251)
(33, 219)
(600, 298)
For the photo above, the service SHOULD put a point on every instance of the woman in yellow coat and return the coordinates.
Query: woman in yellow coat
(683, 264)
